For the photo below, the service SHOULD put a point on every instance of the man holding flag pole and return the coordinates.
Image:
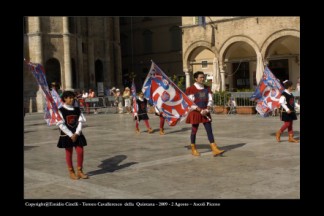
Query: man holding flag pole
(271, 95)
(175, 105)
(166, 96)
(201, 95)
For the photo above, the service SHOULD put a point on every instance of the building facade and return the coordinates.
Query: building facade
(232, 51)
(76, 52)
(150, 38)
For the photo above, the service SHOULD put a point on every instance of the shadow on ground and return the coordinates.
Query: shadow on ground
(181, 130)
(225, 148)
(29, 131)
(36, 124)
(111, 165)
(29, 147)
(285, 134)
(233, 146)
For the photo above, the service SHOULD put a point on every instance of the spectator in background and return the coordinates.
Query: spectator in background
(92, 94)
(119, 102)
(107, 91)
(84, 94)
(113, 91)
(78, 94)
(232, 105)
(53, 86)
(76, 100)
(127, 100)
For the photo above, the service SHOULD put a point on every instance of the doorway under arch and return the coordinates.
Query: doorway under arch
(53, 71)
(99, 71)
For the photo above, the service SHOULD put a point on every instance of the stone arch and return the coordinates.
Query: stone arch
(281, 51)
(274, 36)
(235, 39)
(224, 50)
(194, 46)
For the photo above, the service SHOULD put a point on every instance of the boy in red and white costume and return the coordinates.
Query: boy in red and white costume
(201, 95)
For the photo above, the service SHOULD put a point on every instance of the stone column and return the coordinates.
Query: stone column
(38, 58)
(80, 54)
(107, 61)
(67, 55)
(259, 67)
(216, 77)
(186, 71)
(222, 74)
(91, 54)
(117, 56)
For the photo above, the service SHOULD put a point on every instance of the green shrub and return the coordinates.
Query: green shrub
(221, 98)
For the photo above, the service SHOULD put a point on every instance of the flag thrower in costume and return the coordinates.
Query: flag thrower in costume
(166, 96)
(51, 115)
(267, 94)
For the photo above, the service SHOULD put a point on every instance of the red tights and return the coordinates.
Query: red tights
(289, 125)
(161, 122)
(69, 153)
(146, 123)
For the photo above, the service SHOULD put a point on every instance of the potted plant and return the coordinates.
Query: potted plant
(220, 101)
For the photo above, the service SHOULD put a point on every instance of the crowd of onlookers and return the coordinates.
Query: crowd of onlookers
(119, 99)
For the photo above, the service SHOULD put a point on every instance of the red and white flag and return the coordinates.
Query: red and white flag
(267, 94)
(51, 115)
(166, 96)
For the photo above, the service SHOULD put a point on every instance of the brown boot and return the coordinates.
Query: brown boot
(278, 135)
(137, 130)
(162, 131)
(150, 130)
(72, 174)
(194, 151)
(215, 149)
(291, 139)
(81, 174)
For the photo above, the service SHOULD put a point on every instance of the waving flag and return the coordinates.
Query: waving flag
(51, 111)
(133, 90)
(56, 98)
(267, 93)
(166, 96)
